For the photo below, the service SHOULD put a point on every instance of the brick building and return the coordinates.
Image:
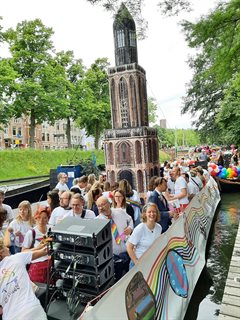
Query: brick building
(46, 135)
(131, 147)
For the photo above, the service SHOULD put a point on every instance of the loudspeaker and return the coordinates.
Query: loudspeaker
(85, 257)
(93, 277)
(88, 233)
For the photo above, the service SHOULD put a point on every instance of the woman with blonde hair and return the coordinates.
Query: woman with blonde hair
(92, 196)
(91, 178)
(145, 233)
(132, 198)
(23, 222)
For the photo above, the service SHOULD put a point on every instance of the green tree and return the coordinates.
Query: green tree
(152, 109)
(73, 73)
(7, 88)
(215, 65)
(95, 112)
(228, 117)
(40, 86)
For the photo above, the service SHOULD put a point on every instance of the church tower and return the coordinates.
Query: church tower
(131, 147)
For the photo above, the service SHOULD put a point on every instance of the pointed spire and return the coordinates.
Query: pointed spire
(124, 30)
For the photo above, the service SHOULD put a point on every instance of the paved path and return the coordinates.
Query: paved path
(230, 307)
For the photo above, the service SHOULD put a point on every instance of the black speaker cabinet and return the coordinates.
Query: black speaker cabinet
(85, 276)
(90, 258)
(88, 233)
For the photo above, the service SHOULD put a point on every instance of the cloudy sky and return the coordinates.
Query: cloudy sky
(87, 31)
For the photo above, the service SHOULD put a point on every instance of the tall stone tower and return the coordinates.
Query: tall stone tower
(131, 147)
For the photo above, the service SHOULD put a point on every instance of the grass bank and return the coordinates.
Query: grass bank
(27, 162)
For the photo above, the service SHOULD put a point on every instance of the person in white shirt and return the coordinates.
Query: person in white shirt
(192, 188)
(39, 270)
(145, 233)
(21, 224)
(180, 189)
(9, 210)
(78, 211)
(58, 213)
(17, 297)
(121, 226)
(62, 182)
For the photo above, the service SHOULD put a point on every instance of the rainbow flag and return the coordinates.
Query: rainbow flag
(115, 232)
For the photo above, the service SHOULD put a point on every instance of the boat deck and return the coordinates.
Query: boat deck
(230, 307)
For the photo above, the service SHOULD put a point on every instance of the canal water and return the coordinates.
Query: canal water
(207, 297)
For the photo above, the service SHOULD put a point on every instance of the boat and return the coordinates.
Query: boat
(167, 273)
(33, 192)
(228, 185)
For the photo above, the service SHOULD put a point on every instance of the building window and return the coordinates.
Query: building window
(48, 137)
(43, 136)
(120, 39)
(140, 181)
(132, 39)
(14, 131)
(110, 154)
(138, 152)
(19, 132)
(124, 102)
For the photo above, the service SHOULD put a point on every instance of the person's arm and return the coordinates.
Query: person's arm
(131, 253)
(39, 253)
(181, 195)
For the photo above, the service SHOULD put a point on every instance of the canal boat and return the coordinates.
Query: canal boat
(33, 192)
(228, 185)
(167, 272)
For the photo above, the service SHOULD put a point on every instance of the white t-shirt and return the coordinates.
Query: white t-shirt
(137, 211)
(10, 215)
(16, 295)
(38, 237)
(142, 237)
(23, 227)
(170, 185)
(181, 183)
(57, 215)
(198, 181)
(122, 221)
(192, 189)
(88, 215)
(62, 187)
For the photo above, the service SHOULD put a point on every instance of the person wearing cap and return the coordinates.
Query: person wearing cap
(40, 268)
(78, 211)
(193, 177)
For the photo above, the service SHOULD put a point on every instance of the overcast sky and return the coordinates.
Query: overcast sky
(87, 31)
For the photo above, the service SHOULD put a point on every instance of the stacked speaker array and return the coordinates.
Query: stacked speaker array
(83, 257)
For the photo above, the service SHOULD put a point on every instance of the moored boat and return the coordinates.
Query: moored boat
(228, 185)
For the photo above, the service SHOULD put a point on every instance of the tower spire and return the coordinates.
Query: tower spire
(125, 39)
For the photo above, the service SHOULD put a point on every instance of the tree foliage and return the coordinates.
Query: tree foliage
(177, 137)
(95, 112)
(152, 109)
(39, 90)
(216, 70)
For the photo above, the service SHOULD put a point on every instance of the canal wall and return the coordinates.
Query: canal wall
(230, 307)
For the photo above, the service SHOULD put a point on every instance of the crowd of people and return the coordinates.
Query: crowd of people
(136, 221)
